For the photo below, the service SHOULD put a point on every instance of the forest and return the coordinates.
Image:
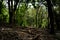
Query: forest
(29, 19)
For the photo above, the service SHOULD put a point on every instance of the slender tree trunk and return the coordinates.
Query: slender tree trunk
(51, 15)
(37, 16)
(10, 12)
(1, 20)
(12, 9)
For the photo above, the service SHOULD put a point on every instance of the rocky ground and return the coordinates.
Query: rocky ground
(25, 34)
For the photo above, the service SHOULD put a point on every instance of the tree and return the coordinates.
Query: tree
(57, 13)
(1, 6)
(12, 8)
(51, 15)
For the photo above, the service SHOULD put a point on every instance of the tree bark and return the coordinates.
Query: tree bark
(10, 14)
(12, 9)
(51, 15)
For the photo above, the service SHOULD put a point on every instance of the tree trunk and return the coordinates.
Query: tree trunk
(58, 19)
(10, 20)
(12, 12)
(12, 9)
(51, 15)
(1, 20)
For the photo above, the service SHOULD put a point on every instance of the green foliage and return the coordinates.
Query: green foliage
(20, 14)
(4, 16)
(27, 16)
(42, 17)
(31, 13)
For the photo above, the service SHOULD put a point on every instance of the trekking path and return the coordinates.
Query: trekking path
(25, 34)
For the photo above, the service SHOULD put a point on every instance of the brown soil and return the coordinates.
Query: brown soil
(25, 34)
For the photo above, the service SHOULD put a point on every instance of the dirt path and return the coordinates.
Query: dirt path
(25, 34)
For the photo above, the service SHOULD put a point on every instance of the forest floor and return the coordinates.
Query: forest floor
(25, 34)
